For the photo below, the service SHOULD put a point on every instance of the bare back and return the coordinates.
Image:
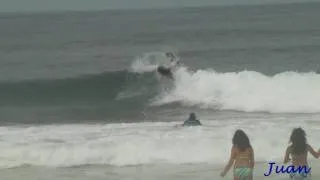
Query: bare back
(300, 159)
(243, 158)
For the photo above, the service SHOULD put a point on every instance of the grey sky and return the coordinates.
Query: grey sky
(49, 5)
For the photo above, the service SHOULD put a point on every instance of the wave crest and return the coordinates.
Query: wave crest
(247, 91)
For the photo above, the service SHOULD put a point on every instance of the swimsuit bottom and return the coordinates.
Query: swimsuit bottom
(242, 173)
(300, 176)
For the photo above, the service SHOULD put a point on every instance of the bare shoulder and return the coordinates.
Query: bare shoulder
(234, 149)
(250, 150)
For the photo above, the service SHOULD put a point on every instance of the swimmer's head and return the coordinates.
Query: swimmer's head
(192, 116)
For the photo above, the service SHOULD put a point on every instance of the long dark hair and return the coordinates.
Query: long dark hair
(241, 140)
(298, 140)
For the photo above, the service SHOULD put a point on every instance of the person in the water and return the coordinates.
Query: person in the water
(298, 151)
(167, 71)
(242, 157)
(170, 56)
(192, 121)
(164, 71)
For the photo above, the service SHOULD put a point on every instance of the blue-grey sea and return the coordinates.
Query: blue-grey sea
(80, 97)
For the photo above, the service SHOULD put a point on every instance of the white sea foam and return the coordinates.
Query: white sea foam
(148, 62)
(146, 143)
(249, 91)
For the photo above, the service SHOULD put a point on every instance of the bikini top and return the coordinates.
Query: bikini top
(243, 154)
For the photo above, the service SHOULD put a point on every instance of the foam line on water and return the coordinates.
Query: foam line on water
(145, 143)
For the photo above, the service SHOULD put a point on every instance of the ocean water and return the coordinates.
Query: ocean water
(80, 98)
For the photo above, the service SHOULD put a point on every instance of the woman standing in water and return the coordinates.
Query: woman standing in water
(299, 152)
(242, 156)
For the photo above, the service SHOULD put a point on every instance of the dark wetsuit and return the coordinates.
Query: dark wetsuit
(165, 71)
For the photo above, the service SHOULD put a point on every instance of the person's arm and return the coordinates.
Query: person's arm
(312, 151)
(286, 156)
(230, 163)
(252, 162)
